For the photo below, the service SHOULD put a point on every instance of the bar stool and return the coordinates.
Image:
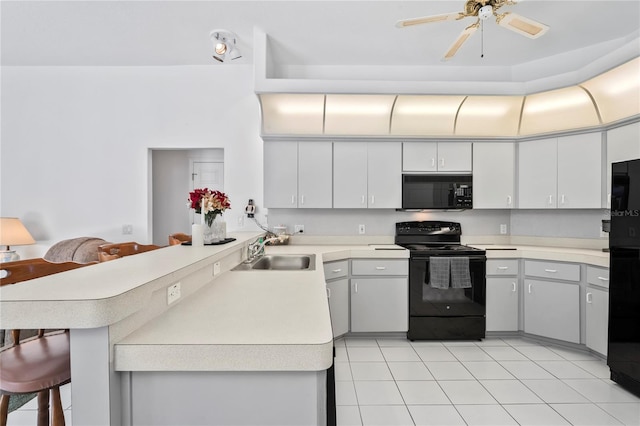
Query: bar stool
(179, 238)
(113, 251)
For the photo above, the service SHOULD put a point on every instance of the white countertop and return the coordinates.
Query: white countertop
(560, 254)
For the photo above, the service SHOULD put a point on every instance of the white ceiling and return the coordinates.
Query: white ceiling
(311, 37)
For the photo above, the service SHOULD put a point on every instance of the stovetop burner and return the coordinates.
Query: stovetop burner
(433, 238)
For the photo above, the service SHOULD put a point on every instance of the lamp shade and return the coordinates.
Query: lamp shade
(13, 232)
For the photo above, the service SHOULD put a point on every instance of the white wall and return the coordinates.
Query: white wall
(75, 143)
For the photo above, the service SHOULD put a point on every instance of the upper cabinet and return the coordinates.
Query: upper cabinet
(297, 174)
(494, 170)
(564, 172)
(623, 143)
(367, 175)
(436, 157)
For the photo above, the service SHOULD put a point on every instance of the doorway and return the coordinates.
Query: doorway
(174, 173)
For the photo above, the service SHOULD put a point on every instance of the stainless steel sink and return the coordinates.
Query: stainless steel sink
(280, 262)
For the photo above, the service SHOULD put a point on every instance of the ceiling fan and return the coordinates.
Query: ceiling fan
(483, 10)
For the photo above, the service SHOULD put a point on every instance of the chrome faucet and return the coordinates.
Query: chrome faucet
(255, 250)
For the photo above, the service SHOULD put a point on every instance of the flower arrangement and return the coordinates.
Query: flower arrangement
(208, 202)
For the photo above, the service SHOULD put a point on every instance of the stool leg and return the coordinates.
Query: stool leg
(4, 409)
(43, 408)
(57, 412)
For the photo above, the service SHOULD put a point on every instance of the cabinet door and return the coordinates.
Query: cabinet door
(552, 309)
(580, 171)
(379, 305)
(350, 175)
(419, 156)
(281, 174)
(494, 175)
(338, 293)
(502, 304)
(537, 174)
(597, 317)
(384, 175)
(622, 145)
(315, 174)
(454, 156)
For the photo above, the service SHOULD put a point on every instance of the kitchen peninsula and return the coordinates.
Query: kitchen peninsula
(237, 339)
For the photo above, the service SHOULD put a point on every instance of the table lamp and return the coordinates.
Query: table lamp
(12, 233)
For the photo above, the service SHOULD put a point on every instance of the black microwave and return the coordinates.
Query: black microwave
(422, 192)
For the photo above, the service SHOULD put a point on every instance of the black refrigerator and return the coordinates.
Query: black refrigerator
(623, 356)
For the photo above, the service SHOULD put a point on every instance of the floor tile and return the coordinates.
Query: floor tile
(598, 368)
(466, 392)
(360, 354)
(520, 341)
(627, 413)
(360, 341)
(435, 415)
(448, 370)
(378, 393)
(343, 371)
(422, 392)
(598, 390)
(341, 354)
(585, 414)
(390, 341)
(485, 415)
(348, 415)
(510, 392)
(535, 415)
(565, 370)
(526, 370)
(573, 355)
(22, 417)
(370, 371)
(426, 343)
(434, 353)
(409, 371)
(451, 343)
(469, 353)
(504, 353)
(399, 354)
(539, 353)
(346, 393)
(491, 341)
(385, 415)
(339, 343)
(555, 391)
(483, 370)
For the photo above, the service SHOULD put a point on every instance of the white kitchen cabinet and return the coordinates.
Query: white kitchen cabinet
(502, 300)
(494, 174)
(563, 172)
(367, 175)
(597, 309)
(379, 295)
(623, 143)
(552, 300)
(436, 157)
(336, 275)
(298, 174)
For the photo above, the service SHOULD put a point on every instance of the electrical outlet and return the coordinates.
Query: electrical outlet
(361, 229)
(127, 229)
(216, 268)
(173, 293)
(299, 229)
(241, 221)
(503, 228)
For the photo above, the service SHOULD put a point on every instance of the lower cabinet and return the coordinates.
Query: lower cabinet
(597, 309)
(338, 293)
(502, 303)
(552, 309)
(379, 304)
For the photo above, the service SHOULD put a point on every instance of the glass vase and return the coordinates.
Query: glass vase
(215, 232)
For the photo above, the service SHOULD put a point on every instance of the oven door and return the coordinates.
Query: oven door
(427, 301)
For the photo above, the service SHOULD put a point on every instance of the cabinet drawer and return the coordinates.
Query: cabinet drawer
(336, 269)
(598, 276)
(379, 267)
(553, 270)
(502, 267)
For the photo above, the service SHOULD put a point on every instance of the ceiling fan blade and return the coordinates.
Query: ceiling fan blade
(521, 25)
(430, 19)
(464, 35)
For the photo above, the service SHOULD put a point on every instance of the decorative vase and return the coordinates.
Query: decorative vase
(215, 231)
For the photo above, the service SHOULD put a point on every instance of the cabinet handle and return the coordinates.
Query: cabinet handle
(335, 271)
(328, 293)
(355, 287)
(381, 268)
(293, 199)
(373, 199)
(433, 162)
(550, 199)
(302, 199)
(553, 271)
(589, 297)
(362, 202)
(514, 287)
(442, 162)
(603, 278)
(503, 268)
(508, 200)
(562, 199)
(529, 288)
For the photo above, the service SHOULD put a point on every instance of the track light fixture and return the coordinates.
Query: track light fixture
(224, 45)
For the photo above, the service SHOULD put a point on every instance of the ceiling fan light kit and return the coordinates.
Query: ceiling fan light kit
(482, 10)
